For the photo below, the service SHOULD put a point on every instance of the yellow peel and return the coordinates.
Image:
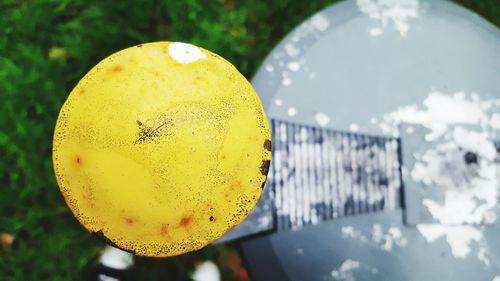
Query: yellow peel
(161, 148)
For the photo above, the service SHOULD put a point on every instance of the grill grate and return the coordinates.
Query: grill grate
(319, 174)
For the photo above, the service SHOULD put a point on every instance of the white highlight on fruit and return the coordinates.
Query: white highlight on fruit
(459, 237)
(385, 11)
(185, 53)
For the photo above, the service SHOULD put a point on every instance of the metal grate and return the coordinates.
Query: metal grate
(319, 174)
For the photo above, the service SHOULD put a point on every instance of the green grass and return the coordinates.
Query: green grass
(46, 46)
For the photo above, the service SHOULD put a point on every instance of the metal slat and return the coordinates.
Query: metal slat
(323, 174)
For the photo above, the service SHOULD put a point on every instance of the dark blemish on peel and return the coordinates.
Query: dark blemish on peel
(82, 92)
(140, 45)
(129, 220)
(185, 221)
(147, 133)
(267, 145)
(78, 160)
(117, 68)
(103, 237)
(264, 168)
(211, 218)
(139, 123)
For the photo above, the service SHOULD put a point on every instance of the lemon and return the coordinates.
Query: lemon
(161, 148)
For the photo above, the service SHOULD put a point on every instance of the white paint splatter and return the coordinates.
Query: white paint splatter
(380, 239)
(264, 221)
(322, 119)
(345, 271)
(354, 127)
(482, 255)
(291, 50)
(376, 31)
(286, 81)
(320, 22)
(385, 11)
(278, 102)
(439, 112)
(293, 66)
(269, 68)
(470, 190)
(387, 240)
(185, 53)
(459, 237)
(292, 111)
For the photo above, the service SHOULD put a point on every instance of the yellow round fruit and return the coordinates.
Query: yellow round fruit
(162, 148)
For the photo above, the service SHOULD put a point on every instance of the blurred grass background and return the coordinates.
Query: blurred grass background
(46, 46)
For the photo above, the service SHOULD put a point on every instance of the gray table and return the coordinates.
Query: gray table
(364, 67)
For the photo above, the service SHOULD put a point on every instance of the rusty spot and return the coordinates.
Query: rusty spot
(117, 68)
(264, 168)
(185, 221)
(82, 91)
(139, 123)
(267, 145)
(78, 160)
(211, 218)
(103, 237)
(235, 184)
(164, 230)
(130, 220)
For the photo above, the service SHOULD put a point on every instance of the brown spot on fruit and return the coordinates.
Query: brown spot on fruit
(185, 221)
(140, 45)
(117, 68)
(138, 122)
(264, 168)
(267, 145)
(211, 218)
(78, 160)
(164, 230)
(235, 185)
(81, 92)
(129, 220)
